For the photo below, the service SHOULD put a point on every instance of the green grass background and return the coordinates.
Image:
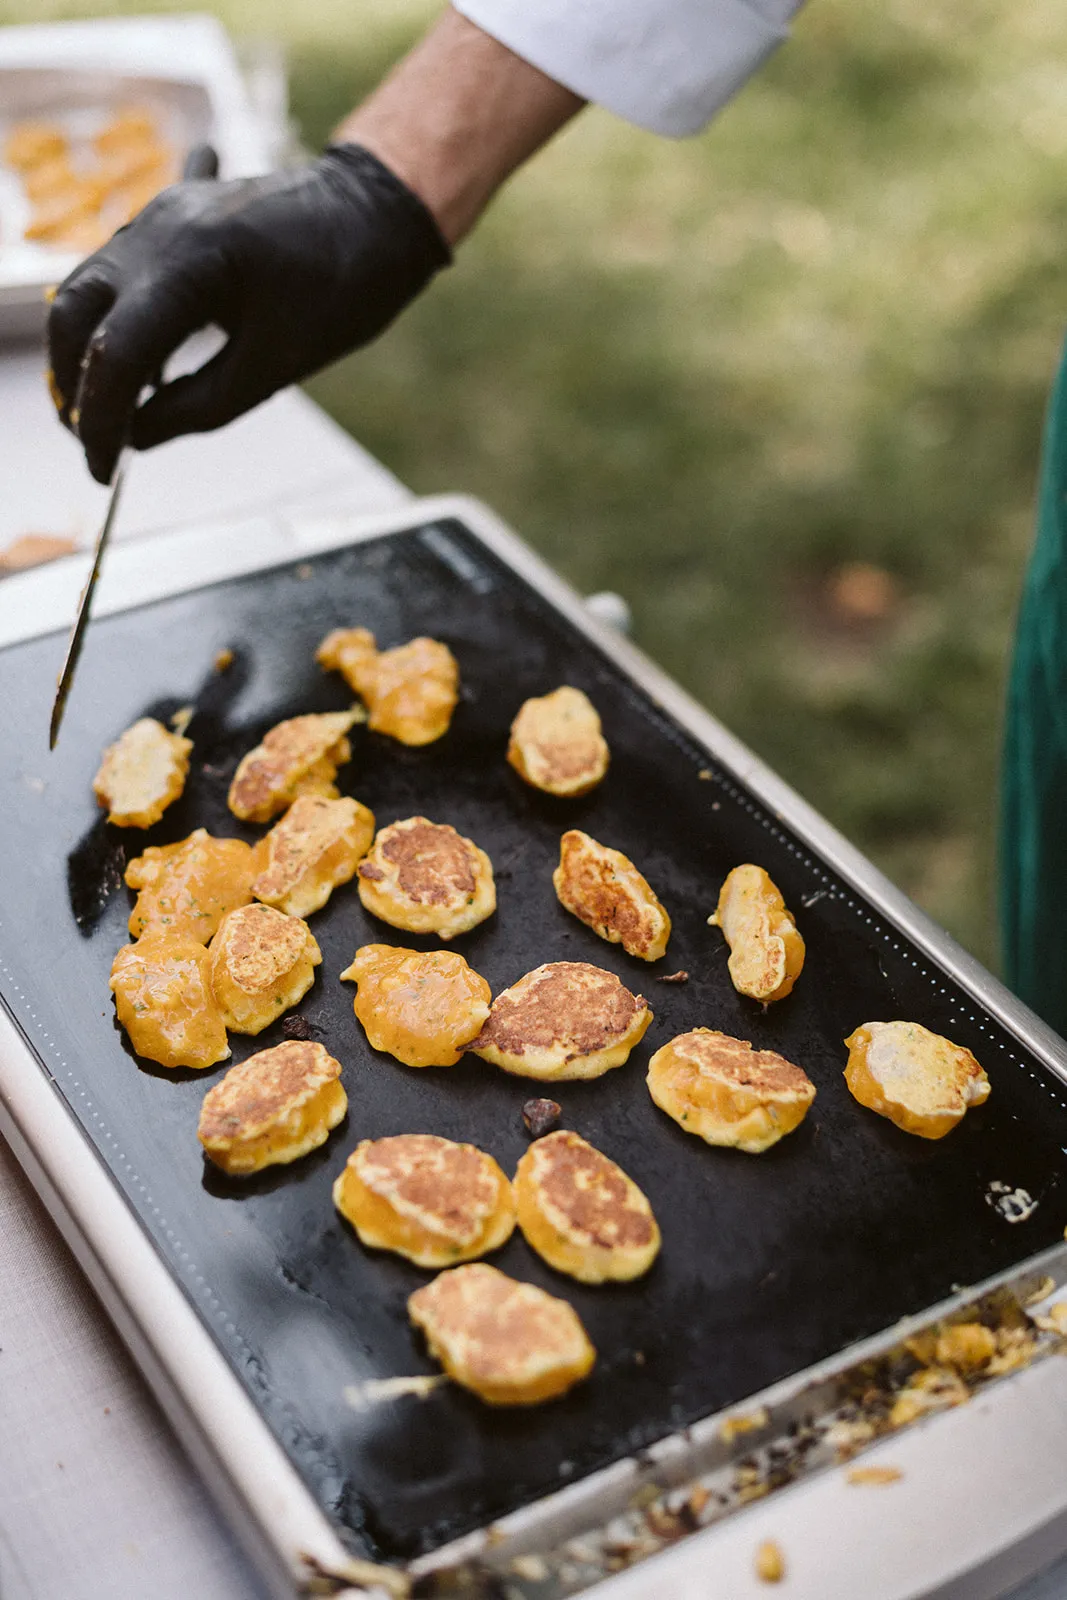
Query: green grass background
(708, 373)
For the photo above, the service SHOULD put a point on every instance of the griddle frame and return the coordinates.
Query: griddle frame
(219, 1425)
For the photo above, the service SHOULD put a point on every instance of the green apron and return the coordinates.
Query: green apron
(1033, 819)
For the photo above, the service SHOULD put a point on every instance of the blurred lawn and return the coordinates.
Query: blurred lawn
(709, 374)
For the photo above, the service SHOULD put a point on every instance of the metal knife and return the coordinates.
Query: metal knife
(201, 162)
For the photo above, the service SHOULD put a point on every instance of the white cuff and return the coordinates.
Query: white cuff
(666, 65)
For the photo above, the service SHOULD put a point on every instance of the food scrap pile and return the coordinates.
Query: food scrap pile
(220, 944)
(80, 191)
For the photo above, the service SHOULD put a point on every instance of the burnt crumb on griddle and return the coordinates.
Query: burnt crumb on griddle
(298, 1027)
(673, 977)
(470, 1581)
(540, 1117)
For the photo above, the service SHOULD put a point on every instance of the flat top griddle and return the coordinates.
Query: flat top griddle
(769, 1263)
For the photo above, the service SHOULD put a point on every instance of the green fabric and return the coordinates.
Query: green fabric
(1033, 822)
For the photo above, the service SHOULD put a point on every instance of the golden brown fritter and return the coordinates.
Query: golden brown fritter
(262, 962)
(410, 692)
(566, 1019)
(187, 888)
(510, 1343)
(727, 1093)
(133, 125)
(766, 951)
(582, 1213)
(425, 877)
(163, 997)
(315, 847)
(556, 743)
(604, 889)
(28, 144)
(433, 1201)
(423, 1007)
(300, 756)
(273, 1108)
(922, 1082)
(142, 773)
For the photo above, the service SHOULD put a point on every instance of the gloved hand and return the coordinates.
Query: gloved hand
(297, 267)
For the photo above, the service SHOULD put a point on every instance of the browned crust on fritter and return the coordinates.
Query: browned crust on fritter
(590, 1191)
(762, 1071)
(433, 861)
(451, 1182)
(289, 750)
(261, 944)
(263, 1088)
(569, 1001)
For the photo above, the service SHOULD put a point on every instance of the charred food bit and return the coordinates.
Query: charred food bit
(581, 1212)
(429, 1199)
(272, 1109)
(298, 1027)
(766, 951)
(556, 743)
(727, 1093)
(300, 756)
(425, 877)
(163, 997)
(423, 1007)
(410, 692)
(604, 889)
(565, 1019)
(224, 660)
(540, 1117)
(510, 1343)
(920, 1081)
(673, 977)
(315, 848)
(262, 962)
(142, 773)
(187, 888)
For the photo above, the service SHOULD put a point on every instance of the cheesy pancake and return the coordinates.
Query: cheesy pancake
(425, 877)
(565, 1019)
(142, 773)
(262, 962)
(316, 846)
(429, 1199)
(422, 1006)
(766, 951)
(188, 887)
(300, 756)
(410, 691)
(726, 1092)
(510, 1343)
(272, 1109)
(603, 889)
(556, 743)
(581, 1212)
(919, 1080)
(163, 997)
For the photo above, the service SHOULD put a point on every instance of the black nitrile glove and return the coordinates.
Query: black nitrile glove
(298, 267)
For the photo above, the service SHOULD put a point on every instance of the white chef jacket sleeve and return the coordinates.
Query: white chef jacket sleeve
(666, 65)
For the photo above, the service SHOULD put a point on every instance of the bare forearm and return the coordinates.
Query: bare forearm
(456, 117)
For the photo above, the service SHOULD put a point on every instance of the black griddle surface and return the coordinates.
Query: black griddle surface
(769, 1263)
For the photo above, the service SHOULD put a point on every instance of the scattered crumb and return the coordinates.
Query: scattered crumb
(304, 571)
(540, 1117)
(376, 1390)
(107, 1411)
(705, 774)
(673, 977)
(33, 550)
(934, 1389)
(731, 1428)
(770, 1563)
(1014, 1205)
(643, 1497)
(182, 718)
(861, 1477)
(639, 1358)
(298, 1027)
(698, 1499)
(532, 1568)
(223, 660)
(966, 1346)
(1042, 1292)
(1055, 1319)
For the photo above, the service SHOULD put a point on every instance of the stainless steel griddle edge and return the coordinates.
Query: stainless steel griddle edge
(217, 1422)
